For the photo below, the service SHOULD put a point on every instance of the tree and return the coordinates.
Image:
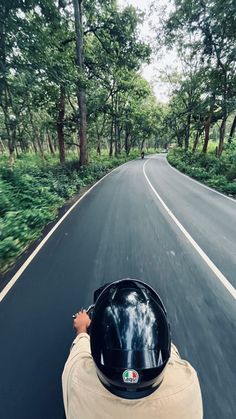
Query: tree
(47, 67)
(207, 30)
(112, 53)
(81, 82)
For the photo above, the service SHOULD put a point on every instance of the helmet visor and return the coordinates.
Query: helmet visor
(133, 359)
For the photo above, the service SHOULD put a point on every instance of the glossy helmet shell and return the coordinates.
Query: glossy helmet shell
(130, 338)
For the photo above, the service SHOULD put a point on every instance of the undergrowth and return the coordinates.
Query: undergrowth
(33, 190)
(216, 172)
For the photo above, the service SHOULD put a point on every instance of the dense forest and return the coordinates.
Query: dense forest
(70, 79)
(204, 33)
(201, 110)
(74, 103)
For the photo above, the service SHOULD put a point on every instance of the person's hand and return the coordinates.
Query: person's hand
(82, 322)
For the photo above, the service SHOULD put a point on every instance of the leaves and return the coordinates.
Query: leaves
(39, 60)
(30, 195)
(216, 173)
(204, 34)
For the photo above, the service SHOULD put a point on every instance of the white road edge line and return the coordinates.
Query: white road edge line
(200, 183)
(13, 280)
(206, 259)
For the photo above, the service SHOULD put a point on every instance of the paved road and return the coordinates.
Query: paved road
(120, 229)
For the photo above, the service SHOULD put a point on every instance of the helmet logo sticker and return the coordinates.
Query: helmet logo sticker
(130, 376)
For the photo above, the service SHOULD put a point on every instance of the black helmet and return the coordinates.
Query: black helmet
(130, 338)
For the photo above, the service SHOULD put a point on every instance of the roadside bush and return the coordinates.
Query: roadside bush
(218, 173)
(32, 192)
(231, 173)
(5, 197)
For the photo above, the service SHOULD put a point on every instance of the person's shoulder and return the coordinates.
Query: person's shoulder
(180, 390)
(180, 376)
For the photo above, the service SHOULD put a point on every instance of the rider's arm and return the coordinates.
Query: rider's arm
(80, 350)
(81, 344)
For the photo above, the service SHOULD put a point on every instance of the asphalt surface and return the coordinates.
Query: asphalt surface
(120, 229)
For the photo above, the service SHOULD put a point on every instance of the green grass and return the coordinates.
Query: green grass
(218, 173)
(32, 192)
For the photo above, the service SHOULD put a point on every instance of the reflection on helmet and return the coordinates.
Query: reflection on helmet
(130, 338)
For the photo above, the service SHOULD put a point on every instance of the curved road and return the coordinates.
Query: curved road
(121, 229)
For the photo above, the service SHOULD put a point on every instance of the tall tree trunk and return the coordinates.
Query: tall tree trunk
(116, 126)
(81, 97)
(11, 149)
(142, 145)
(60, 123)
(50, 144)
(99, 148)
(34, 145)
(232, 130)
(179, 140)
(111, 137)
(187, 133)
(116, 137)
(195, 144)
(34, 130)
(98, 140)
(17, 151)
(178, 135)
(3, 85)
(112, 127)
(222, 136)
(207, 125)
(40, 146)
(100, 133)
(23, 144)
(2, 146)
(3, 17)
(119, 138)
(127, 146)
(11, 134)
(225, 112)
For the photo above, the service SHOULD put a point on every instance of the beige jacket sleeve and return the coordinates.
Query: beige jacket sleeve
(80, 349)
